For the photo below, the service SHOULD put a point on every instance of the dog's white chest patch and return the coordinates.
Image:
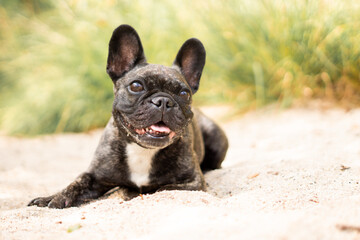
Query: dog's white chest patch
(139, 162)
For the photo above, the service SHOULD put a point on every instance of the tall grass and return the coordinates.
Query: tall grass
(285, 50)
(53, 54)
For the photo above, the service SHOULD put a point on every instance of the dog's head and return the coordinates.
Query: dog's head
(152, 102)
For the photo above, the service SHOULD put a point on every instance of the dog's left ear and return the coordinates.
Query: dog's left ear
(125, 52)
(191, 60)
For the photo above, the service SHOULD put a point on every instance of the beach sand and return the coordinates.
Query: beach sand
(288, 174)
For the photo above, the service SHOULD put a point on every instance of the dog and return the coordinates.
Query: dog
(154, 140)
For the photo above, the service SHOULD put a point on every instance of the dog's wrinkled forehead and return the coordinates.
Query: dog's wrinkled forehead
(156, 75)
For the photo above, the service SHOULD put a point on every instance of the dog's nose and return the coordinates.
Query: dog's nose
(162, 102)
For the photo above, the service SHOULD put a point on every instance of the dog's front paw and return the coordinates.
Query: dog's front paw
(54, 201)
(40, 201)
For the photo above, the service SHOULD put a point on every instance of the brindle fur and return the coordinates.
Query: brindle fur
(199, 144)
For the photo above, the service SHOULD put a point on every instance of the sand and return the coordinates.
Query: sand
(289, 174)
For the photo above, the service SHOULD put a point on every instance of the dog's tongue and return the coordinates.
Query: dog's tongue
(158, 128)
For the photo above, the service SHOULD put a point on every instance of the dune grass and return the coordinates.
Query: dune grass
(53, 54)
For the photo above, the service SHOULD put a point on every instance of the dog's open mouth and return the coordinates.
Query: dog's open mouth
(156, 130)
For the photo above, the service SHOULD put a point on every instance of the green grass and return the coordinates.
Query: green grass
(285, 50)
(53, 54)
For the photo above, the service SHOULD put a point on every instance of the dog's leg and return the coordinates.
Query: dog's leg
(215, 143)
(82, 190)
(198, 183)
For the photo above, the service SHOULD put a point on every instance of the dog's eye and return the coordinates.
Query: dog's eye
(185, 95)
(136, 87)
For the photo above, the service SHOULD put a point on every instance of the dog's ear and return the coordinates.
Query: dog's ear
(125, 52)
(191, 60)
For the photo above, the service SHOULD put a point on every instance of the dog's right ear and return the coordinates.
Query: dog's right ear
(125, 52)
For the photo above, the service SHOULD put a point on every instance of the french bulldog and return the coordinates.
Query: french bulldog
(154, 140)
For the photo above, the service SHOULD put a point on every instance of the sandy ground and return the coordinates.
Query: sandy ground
(290, 174)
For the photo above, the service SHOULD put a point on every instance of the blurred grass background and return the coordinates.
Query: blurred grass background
(53, 54)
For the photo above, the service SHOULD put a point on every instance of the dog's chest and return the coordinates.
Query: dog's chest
(139, 160)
